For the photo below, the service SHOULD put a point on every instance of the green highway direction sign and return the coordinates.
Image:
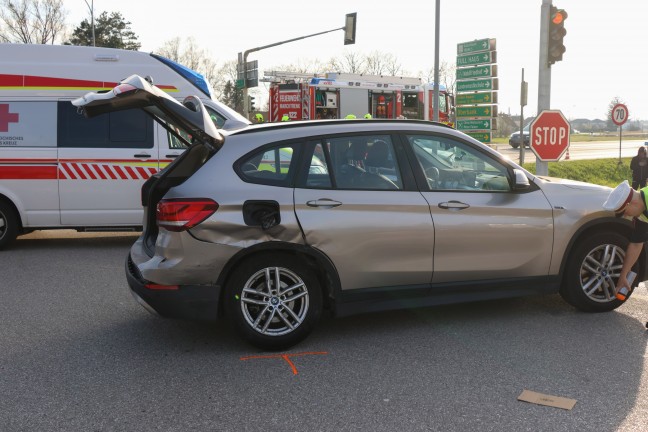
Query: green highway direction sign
(477, 111)
(476, 98)
(477, 58)
(475, 46)
(485, 71)
(476, 85)
(478, 124)
(482, 136)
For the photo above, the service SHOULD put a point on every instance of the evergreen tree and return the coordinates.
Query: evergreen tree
(111, 31)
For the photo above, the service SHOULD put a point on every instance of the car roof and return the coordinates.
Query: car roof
(315, 127)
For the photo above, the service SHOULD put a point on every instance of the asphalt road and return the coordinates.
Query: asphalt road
(78, 354)
(579, 150)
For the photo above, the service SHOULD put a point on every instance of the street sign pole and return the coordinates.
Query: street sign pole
(619, 116)
(523, 102)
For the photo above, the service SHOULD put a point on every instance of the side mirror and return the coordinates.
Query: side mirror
(521, 180)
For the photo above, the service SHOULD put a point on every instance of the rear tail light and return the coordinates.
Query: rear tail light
(183, 214)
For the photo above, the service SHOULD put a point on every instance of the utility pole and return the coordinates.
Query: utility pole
(91, 8)
(435, 104)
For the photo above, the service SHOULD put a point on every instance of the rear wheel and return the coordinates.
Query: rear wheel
(8, 225)
(592, 272)
(273, 301)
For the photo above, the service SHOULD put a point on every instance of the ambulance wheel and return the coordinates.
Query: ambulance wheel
(8, 225)
(589, 283)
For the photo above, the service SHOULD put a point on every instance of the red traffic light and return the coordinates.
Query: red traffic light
(559, 16)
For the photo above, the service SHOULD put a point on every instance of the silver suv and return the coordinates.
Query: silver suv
(272, 224)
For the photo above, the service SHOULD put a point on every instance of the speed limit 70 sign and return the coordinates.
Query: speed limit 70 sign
(619, 114)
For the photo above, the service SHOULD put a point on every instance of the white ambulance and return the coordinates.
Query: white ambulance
(61, 170)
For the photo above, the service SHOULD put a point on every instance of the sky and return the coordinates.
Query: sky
(606, 57)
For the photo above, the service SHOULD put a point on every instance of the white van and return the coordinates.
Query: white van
(60, 170)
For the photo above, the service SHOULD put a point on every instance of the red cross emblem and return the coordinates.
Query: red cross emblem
(6, 117)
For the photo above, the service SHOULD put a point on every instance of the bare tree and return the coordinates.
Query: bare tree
(350, 62)
(447, 75)
(190, 55)
(380, 63)
(31, 21)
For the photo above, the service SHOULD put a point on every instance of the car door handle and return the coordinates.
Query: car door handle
(142, 155)
(324, 202)
(172, 156)
(453, 205)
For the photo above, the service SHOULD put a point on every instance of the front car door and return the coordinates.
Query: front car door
(484, 230)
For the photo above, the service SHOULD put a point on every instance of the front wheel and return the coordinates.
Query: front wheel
(273, 301)
(592, 272)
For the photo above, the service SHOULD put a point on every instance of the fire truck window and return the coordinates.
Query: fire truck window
(442, 103)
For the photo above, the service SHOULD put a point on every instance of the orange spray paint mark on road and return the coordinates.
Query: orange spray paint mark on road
(286, 357)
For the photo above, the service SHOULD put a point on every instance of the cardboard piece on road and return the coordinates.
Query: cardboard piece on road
(548, 400)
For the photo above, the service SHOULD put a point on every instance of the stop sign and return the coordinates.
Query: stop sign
(549, 135)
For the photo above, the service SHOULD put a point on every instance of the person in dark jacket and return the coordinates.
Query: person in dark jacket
(639, 167)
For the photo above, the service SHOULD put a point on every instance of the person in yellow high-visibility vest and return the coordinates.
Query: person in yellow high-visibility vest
(627, 202)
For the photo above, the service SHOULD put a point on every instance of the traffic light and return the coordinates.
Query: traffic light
(557, 32)
(251, 103)
(350, 28)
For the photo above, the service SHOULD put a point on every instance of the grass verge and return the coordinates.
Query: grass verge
(605, 172)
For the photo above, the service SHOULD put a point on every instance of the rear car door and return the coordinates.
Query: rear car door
(375, 228)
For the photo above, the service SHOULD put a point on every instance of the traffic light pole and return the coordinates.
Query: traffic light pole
(242, 67)
(544, 76)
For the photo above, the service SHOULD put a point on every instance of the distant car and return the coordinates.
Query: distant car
(515, 141)
(271, 224)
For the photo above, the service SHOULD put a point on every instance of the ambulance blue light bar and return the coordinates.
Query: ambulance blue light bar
(190, 75)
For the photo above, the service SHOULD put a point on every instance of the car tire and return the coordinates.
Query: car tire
(268, 318)
(514, 145)
(8, 224)
(592, 271)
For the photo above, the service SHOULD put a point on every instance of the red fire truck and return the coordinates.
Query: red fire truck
(336, 95)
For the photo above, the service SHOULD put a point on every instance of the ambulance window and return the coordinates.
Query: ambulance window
(121, 129)
(218, 119)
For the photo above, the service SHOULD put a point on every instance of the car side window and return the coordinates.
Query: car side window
(218, 119)
(269, 165)
(453, 165)
(362, 162)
